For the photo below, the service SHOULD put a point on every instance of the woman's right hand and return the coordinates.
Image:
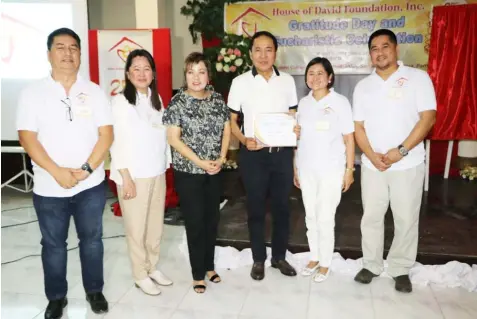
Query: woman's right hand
(129, 188)
(296, 180)
(208, 166)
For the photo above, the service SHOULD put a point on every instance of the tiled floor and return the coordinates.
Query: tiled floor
(238, 296)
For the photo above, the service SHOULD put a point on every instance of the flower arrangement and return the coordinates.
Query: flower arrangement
(469, 173)
(230, 59)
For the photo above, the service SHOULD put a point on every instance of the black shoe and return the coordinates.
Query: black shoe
(364, 276)
(284, 267)
(98, 302)
(403, 284)
(258, 271)
(55, 308)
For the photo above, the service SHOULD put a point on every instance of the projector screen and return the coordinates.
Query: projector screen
(26, 25)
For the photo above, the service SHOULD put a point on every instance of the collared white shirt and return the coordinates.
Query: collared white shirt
(67, 128)
(323, 123)
(390, 110)
(252, 94)
(140, 143)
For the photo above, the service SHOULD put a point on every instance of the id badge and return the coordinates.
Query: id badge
(395, 93)
(83, 111)
(322, 126)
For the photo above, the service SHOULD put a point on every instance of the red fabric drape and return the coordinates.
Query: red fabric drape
(453, 70)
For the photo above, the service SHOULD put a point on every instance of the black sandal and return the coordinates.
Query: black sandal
(214, 277)
(196, 287)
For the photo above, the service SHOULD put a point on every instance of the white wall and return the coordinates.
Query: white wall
(124, 14)
(181, 40)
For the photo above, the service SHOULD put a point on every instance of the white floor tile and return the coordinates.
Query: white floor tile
(456, 302)
(196, 314)
(21, 306)
(76, 309)
(120, 311)
(388, 302)
(263, 301)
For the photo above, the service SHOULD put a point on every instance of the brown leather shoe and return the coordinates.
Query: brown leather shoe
(284, 267)
(258, 271)
(403, 284)
(364, 276)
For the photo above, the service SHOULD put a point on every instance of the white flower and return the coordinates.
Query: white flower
(219, 67)
(232, 57)
(238, 62)
(226, 68)
(226, 59)
(223, 51)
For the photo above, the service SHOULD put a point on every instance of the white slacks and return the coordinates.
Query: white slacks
(403, 189)
(321, 194)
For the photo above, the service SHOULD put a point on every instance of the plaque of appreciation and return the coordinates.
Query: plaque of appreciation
(275, 129)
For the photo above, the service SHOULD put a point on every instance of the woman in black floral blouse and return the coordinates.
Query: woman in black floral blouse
(198, 129)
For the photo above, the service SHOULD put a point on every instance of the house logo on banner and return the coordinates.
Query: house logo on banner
(113, 50)
(124, 47)
(248, 18)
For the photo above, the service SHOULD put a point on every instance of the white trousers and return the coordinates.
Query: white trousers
(403, 189)
(321, 194)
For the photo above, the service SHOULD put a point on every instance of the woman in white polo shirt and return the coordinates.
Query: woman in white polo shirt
(138, 166)
(324, 161)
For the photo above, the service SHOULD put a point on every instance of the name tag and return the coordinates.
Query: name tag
(395, 93)
(157, 125)
(322, 126)
(84, 111)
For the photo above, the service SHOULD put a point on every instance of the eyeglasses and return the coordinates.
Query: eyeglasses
(67, 103)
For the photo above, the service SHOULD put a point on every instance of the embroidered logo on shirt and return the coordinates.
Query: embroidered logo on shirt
(401, 81)
(82, 98)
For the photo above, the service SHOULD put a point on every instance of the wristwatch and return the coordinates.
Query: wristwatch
(87, 167)
(223, 160)
(402, 150)
(350, 169)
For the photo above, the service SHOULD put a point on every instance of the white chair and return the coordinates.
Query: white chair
(28, 177)
(428, 157)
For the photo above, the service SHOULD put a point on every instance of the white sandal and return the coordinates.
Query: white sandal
(309, 271)
(319, 277)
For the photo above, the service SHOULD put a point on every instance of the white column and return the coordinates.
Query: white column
(150, 14)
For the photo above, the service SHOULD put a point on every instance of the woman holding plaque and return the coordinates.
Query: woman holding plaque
(198, 129)
(324, 161)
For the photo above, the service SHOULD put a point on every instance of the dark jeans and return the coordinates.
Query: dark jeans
(54, 215)
(199, 196)
(267, 174)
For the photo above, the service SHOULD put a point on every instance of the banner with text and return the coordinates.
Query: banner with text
(337, 30)
(113, 50)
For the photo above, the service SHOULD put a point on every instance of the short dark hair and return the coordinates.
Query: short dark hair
(62, 31)
(264, 34)
(377, 33)
(326, 65)
(130, 91)
(196, 58)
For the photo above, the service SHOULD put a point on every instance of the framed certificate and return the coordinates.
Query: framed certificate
(275, 129)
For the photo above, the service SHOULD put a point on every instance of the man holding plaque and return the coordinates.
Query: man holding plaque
(265, 98)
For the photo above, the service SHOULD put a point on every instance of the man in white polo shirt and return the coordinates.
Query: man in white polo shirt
(264, 171)
(64, 123)
(394, 109)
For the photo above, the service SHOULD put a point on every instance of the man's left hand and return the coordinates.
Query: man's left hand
(392, 156)
(80, 174)
(297, 131)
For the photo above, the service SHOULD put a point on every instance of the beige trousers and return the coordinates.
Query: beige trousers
(143, 222)
(403, 190)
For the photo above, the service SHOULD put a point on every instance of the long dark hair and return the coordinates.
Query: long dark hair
(130, 91)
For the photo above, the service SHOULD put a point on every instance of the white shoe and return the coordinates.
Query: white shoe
(148, 287)
(160, 278)
(309, 271)
(319, 277)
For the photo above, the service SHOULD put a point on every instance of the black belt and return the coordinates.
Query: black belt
(272, 149)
